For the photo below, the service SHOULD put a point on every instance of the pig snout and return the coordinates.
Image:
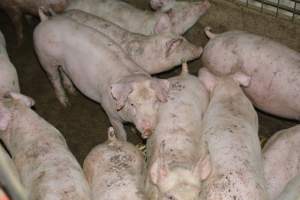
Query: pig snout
(146, 128)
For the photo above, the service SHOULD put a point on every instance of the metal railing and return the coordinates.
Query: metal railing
(287, 8)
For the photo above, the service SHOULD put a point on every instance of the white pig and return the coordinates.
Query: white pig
(291, 191)
(155, 53)
(8, 75)
(125, 15)
(47, 168)
(9, 178)
(176, 154)
(183, 14)
(115, 170)
(230, 128)
(274, 69)
(16, 8)
(281, 156)
(101, 70)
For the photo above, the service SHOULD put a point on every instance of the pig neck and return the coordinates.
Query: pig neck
(26, 127)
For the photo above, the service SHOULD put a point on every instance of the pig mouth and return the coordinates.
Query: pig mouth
(146, 133)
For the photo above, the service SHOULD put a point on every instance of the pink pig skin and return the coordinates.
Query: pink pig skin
(176, 153)
(230, 129)
(16, 8)
(47, 168)
(274, 69)
(154, 53)
(101, 70)
(281, 157)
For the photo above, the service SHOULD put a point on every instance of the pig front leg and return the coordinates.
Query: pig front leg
(68, 85)
(119, 128)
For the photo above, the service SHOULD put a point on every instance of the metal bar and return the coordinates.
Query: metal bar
(277, 8)
(295, 11)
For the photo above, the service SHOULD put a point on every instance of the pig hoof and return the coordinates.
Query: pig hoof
(65, 102)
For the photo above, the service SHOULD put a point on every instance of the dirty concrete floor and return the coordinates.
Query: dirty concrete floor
(84, 123)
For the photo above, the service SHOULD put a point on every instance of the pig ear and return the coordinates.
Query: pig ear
(163, 24)
(159, 169)
(203, 168)
(120, 93)
(161, 88)
(207, 78)
(5, 117)
(27, 101)
(172, 44)
(242, 78)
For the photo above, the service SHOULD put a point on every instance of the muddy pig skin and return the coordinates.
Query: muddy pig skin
(274, 69)
(281, 157)
(183, 15)
(125, 15)
(177, 158)
(16, 8)
(9, 178)
(230, 128)
(115, 170)
(47, 168)
(8, 75)
(101, 70)
(155, 53)
(291, 190)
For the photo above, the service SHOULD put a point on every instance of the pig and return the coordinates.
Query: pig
(176, 154)
(230, 129)
(9, 178)
(155, 53)
(101, 70)
(183, 14)
(125, 15)
(162, 5)
(273, 68)
(9, 81)
(115, 170)
(281, 156)
(291, 190)
(3, 195)
(47, 168)
(16, 8)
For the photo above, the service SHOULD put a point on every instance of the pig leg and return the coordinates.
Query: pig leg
(68, 85)
(55, 79)
(119, 128)
(52, 69)
(15, 15)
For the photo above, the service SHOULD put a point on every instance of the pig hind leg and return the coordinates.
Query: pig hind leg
(52, 69)
(15, 14)
(68, 85)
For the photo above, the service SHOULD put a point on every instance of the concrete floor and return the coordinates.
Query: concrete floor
(84, 123)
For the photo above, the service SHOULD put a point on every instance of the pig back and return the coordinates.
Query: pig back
(281, 157)
(115, 171)
(230, 129)
(46, 166)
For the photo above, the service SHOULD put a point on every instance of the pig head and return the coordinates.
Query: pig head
(137, 99)
(167, 49)
(177, 182)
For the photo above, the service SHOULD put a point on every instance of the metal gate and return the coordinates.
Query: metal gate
(281, 8)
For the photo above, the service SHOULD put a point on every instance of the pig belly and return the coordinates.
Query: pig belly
(276, 91)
